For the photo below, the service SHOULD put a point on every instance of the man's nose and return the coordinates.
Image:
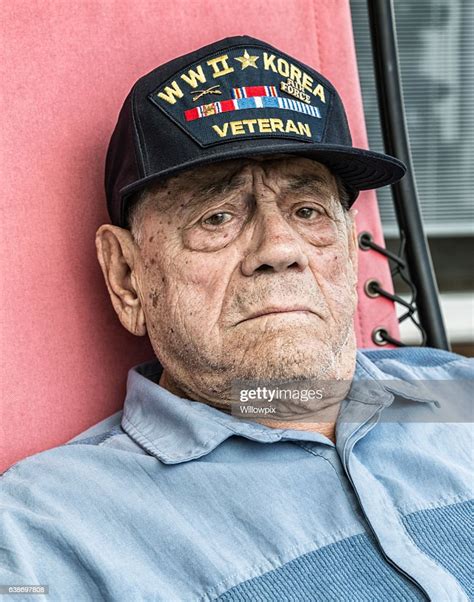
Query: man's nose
(275, 246)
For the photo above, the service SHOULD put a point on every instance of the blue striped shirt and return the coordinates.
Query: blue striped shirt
(172, 499)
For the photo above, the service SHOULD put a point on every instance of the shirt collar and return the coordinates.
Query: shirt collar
(175, 429)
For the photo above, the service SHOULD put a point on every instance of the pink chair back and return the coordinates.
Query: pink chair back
(65, 73)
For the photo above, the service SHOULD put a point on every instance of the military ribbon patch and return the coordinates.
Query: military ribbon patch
(249, 91)
(251, 101)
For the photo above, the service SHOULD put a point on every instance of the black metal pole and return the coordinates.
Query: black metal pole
(407, 208)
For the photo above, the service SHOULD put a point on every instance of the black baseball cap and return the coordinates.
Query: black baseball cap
(239, 97)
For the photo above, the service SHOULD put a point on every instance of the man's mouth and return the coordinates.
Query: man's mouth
(273, 311)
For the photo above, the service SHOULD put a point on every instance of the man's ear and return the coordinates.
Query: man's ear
(118, 258)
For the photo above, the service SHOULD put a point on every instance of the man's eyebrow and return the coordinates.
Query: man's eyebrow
(225, 186)
(310, 184)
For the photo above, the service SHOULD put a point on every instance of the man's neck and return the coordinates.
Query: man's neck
(326, 427)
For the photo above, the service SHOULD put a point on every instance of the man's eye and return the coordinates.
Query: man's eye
(217, 219)
(307, 212)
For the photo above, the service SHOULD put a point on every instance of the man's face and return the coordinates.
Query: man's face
(248, 270)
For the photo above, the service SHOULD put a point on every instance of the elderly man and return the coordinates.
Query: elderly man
(261, 456)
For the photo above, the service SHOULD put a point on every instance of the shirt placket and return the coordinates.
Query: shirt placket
(357, 419)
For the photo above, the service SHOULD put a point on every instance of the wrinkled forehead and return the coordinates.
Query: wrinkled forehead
(280, 170)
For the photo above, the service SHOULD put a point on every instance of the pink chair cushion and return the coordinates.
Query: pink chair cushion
(65, 74)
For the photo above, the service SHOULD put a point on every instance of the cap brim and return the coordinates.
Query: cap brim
(359, 169)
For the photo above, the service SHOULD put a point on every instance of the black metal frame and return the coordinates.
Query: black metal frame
(373, 288)
(407, 208)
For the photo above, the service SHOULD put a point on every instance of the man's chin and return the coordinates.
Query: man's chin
(292, 352)
(287, 358)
